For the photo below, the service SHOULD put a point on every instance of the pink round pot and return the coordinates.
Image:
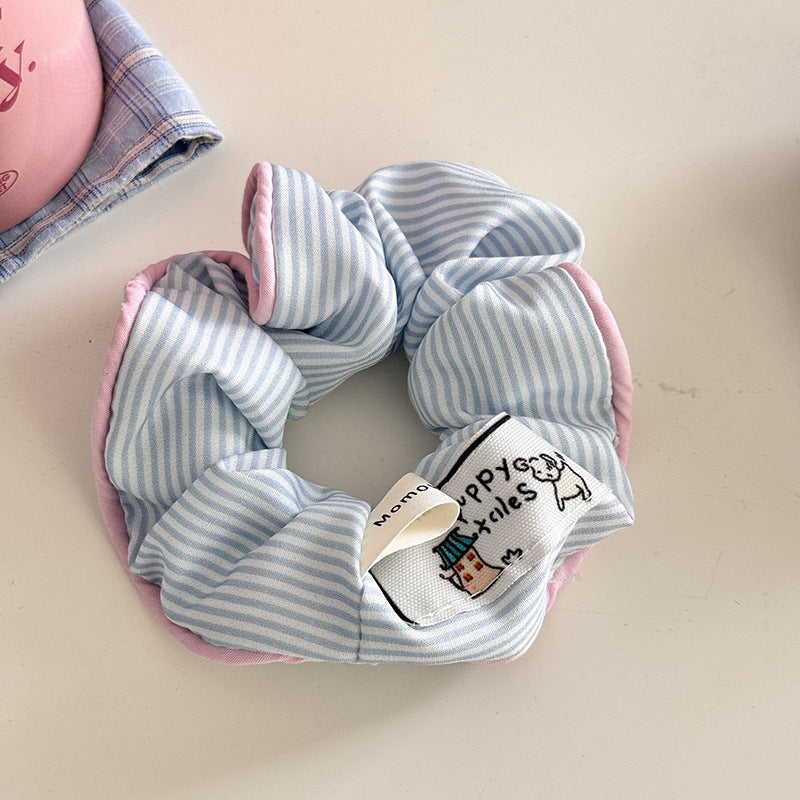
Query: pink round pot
(51, 98)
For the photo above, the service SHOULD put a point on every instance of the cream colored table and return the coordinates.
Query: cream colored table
(670, 666)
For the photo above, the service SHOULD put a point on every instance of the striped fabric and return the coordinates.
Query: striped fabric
(444, 260)
(151, 125)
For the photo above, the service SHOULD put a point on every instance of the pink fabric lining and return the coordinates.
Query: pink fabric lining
(621, 378)
(621, 397)
(621, 401)
(262, 244)
(135, 292)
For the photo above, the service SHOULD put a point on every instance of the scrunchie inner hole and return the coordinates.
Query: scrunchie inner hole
(361, 454)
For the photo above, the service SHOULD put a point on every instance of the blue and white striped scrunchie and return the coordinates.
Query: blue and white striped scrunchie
(214, 352)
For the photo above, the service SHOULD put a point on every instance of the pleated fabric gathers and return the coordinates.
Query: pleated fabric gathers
(245, 561)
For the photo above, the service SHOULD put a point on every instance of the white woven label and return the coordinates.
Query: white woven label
(413, 512)
(518, 499)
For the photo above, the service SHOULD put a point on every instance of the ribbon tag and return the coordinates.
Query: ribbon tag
(412, 513)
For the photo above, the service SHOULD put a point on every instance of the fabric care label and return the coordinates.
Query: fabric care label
(517, 497)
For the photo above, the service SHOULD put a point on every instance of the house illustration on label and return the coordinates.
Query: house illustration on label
(465, 568)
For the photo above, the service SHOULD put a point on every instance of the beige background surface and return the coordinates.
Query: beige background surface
(670, 666)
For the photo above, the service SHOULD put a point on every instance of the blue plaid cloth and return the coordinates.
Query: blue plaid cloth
(151, 125)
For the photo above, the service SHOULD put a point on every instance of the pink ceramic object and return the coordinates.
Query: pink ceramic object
(51, 98)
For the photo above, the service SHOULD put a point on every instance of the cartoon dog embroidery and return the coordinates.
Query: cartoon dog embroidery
(566, 482)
